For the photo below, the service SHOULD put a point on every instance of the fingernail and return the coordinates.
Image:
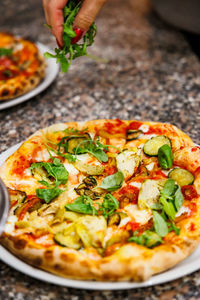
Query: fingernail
(59, 45)
(79, 33)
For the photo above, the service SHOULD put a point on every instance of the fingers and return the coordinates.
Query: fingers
(88, 13)
(54, 16)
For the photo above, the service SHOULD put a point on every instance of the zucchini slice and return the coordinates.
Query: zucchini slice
(114, 219)
(17, 196)
(69, 241)
(181, 176)
(75, 141)
(133, 134)
(152, 146)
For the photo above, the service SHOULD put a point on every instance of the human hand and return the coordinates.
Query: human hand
(54, 16)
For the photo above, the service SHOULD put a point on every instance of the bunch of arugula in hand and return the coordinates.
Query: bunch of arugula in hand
(71, 51)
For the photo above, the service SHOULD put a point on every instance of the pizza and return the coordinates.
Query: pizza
(22, 67)
(106, 200)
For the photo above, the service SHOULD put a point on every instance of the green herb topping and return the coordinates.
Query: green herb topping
(148, 238)
(55, 171)
(83, 205)
(112, 182)
(109, 205)
(5, 52)
(71, 51)
(165, 157)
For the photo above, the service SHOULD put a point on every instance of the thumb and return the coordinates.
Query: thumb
(88, 13)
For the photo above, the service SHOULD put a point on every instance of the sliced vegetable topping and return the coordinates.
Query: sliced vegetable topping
(112, 182)
(165, 157)
(152, 146)
(55, 170)
(17, 197)
(89, 169)
(68, 238)
(85, 188)
(127, 162)
(133, 134)
(149, 193)
(181, 176)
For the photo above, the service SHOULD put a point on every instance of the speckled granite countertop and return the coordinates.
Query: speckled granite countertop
(150, 74)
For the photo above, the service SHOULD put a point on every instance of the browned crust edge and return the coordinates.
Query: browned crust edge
(131, 262)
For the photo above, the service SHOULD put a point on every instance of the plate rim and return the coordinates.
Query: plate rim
(182, 269)
(47, 81)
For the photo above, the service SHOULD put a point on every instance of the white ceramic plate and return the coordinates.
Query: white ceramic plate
(189, 265)
(51, 73)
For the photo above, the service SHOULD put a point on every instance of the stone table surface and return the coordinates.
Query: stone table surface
(147, 71)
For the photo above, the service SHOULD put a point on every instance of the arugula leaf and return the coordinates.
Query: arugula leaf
(148, 238)
(71, 51)
(159, 224)
(169, 188)
(109, 205)
(5, 51)
(165, 157)
(68, 156)
(173, 227)
(83, 205)
(44, 182)
(48, 194)
(112, 182)
(168, 208)
(74, 131)
(178, 201)
(93, 148)
(55, 169)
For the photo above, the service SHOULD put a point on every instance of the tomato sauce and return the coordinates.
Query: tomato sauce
(192, 227)
(189, 192)
(5, 62)
(116, 126)
(135, 125)
(20, 165)
(131, 191)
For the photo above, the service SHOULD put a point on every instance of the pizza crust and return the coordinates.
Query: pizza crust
(131, 261)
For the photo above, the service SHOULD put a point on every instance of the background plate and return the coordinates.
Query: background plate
(52, 69)
(189, 265)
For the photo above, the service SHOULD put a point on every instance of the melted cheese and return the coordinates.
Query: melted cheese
(10, 225)
(71, 169)
(183, 210)
(136, 184)
(124, 222)
(150, 166)
(141, 216)
(42, 155)
(144, 128)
